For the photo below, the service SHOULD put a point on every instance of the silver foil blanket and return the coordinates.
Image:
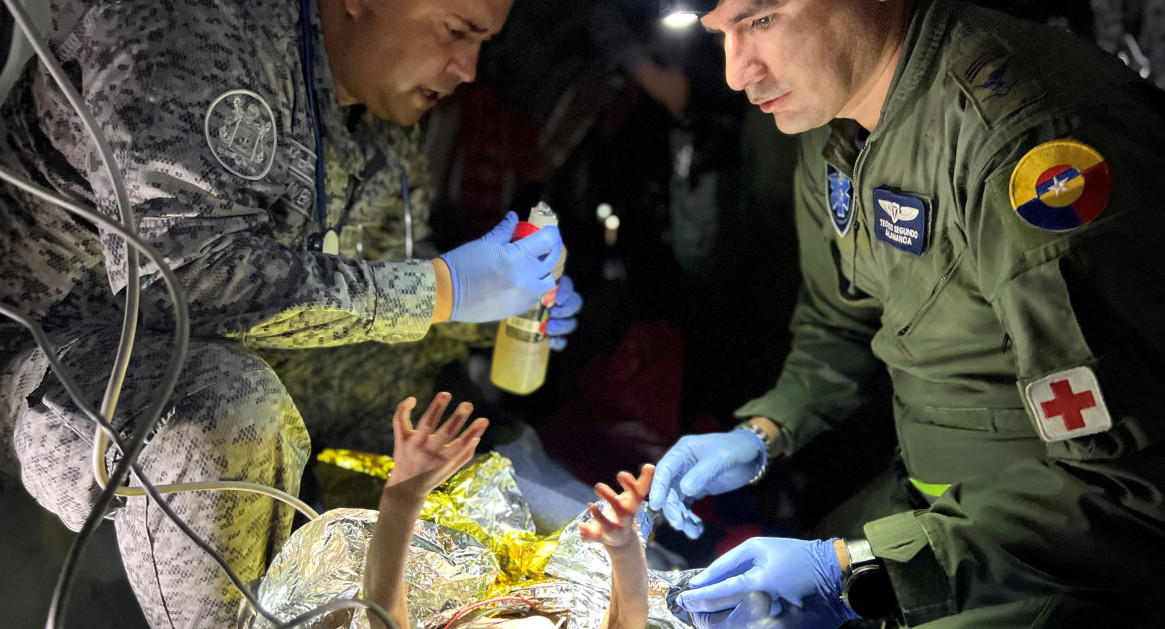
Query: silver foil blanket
(324, 561)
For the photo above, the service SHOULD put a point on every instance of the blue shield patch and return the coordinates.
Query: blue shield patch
(900, 220)
(840, 200)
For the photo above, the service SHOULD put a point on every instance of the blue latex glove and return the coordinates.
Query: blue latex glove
(751, 613)
(494, 278)
(562, 322)
(701, 465)
(802, 579)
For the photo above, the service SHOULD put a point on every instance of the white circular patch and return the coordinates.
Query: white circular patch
(240, 129)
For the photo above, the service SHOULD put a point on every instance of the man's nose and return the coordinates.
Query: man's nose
(463, 64)
(741, 66)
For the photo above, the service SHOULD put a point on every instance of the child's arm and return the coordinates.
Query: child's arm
(423, 458)
(617, 532)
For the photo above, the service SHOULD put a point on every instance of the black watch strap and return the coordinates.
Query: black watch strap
(867, 589)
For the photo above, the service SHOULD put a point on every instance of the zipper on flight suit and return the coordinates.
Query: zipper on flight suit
(938, 289)
(942, 280)
(855, 201)
(853, 266)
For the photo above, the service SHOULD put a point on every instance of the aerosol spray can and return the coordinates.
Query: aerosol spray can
(521, 352)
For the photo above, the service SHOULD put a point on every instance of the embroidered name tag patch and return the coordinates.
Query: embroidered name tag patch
(900, 220)
(240, 130)
(1061, 185)
(1068, 404)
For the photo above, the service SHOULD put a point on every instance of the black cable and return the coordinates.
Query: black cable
(116, 478)
(133, 245)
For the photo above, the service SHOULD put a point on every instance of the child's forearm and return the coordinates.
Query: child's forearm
(628, 608)
(384, 567)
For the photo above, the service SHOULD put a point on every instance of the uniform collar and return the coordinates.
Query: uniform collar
(917, 70)
(351, 135)
(333, 116)
(918, 66)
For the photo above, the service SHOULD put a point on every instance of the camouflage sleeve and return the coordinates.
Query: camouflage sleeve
(150, 74)
(1065, 236)
(830, 369)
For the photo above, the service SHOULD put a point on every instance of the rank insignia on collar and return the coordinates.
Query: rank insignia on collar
(840, 200)
(900, 220)
(1061, 185)
(1068, 404)
(240, 130)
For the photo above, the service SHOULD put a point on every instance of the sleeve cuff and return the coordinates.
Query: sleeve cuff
(921, 586)
(763, 407)
(406, 293)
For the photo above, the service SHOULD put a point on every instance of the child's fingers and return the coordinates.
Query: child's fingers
(590, 531)
(432, 416)
(646, 475)
(605, 492)
(453, 425)
(458, 458)
(402, 424)
(625, 506)
(630, 489)
(473, 433)
(602, 518)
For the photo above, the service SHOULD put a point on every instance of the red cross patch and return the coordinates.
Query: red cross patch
(1068, 404)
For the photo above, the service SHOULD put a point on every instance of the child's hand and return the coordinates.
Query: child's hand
(620, 530)
(427, 456)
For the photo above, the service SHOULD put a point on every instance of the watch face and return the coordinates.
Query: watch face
(868, 592)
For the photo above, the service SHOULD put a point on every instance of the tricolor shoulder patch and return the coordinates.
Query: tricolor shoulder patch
(1068, 404)
(1061, 185)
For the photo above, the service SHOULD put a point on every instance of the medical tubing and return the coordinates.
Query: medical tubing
(60, 594)
(177, 296)
(128, 223)
(333, 606)
(133, 289)
(100, 438)
(104, 428)
(70, 385)
(45, 344)
(131, 245)
(169, 379)
(130, 315)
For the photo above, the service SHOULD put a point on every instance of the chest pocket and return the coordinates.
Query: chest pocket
(926, 302)
(292, 178)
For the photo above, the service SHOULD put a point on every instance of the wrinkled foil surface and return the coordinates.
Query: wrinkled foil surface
(475, 541)
(324, 561)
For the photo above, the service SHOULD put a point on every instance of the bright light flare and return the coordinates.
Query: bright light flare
(680, 20)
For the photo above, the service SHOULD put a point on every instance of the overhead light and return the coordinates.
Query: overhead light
(680, 20)
(667, 8)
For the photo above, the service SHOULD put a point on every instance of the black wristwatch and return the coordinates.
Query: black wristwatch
(867, 590)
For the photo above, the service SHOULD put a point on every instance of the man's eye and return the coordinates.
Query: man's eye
(762, 23)
(456, 33)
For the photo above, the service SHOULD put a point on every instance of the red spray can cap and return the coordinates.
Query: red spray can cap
(524, 229)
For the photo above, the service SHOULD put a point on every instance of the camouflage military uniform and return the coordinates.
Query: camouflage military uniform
(347, 393)
(207, 113)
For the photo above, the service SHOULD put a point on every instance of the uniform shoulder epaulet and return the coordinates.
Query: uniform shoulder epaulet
(995, 80)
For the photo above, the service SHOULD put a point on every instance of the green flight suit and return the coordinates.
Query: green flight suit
(972, 308)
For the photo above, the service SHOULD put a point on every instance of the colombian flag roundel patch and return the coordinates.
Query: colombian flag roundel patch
(1061, 185)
